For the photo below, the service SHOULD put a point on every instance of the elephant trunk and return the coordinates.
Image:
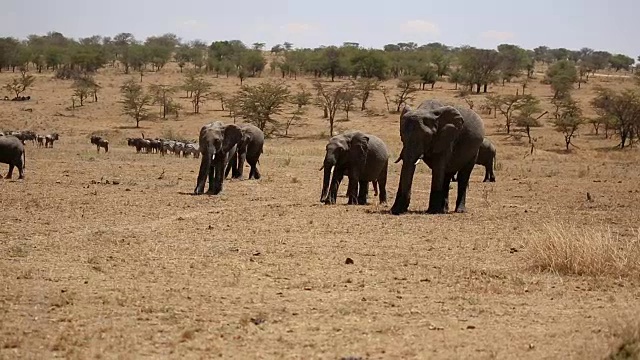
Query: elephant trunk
(403, 196)
(325, 182)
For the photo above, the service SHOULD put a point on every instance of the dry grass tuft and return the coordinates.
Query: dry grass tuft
(569, 250)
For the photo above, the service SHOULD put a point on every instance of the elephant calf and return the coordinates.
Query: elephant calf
(486, 158)
(364, 158)
(249, 148)
(12, 153)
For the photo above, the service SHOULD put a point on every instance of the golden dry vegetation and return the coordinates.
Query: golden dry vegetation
(108, 255)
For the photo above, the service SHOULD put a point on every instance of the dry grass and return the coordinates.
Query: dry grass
(567, 249)
(141, 269)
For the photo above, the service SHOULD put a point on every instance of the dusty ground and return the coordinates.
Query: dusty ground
(143, 269)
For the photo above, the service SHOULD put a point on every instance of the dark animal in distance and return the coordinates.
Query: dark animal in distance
(99, 142)
(12, 153)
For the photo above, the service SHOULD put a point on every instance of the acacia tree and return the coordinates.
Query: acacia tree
(135, 101)
(329, 99)
(569, 120)
(363, 88)
(621, 109)
(20, 84)
(561, 76)
(527, 106)
(506, 105)
(162, 96)
(260, 102)
(406, 89)
(84, 87)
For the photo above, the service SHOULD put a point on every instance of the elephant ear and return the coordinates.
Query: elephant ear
(358, 150)
(405, 110)
(449, 125)
(232, 136)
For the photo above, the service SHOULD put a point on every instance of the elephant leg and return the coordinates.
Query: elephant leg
(437, 194)
(229, 166)
(375, 187)
(363, 192)
(463, 184)
(10, 173)
(486, 174)
(403, 195)
(492, 175)
(217, 177)
(382, 186)
(453, 178)
(352, 191)
(254, 172)
(202, 174)
(239, 168)
(445, 190)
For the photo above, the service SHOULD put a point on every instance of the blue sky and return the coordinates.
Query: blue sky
(556, 23)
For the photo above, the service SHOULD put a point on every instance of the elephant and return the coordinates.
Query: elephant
(447, 139)
(364, 158)
(217, 141)
(486, 158)
(249, 148)
(12, 153)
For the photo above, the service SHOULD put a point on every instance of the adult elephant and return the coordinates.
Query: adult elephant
(486, 158)
(364, 158)
(447, 139)
(12, 153)
(216, 141)
(249, 149)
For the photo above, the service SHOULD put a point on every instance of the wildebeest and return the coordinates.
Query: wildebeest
(99, 142)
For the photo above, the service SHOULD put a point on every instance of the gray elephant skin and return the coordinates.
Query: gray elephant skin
(364, 158)
(12, 153)
(217, 141)
(486, 158)
(249, 149)
(447, 139)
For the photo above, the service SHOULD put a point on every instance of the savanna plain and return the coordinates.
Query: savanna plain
(108, 255)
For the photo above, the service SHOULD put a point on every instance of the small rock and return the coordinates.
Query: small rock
(57, 181)
(349, 261)
(116, 182)
(513, 250)
(470, 327)
(257, 253)
(127, 189)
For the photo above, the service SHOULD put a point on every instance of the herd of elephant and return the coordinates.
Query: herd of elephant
(448, 139)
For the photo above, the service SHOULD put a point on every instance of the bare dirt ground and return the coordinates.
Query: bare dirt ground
(141, 269)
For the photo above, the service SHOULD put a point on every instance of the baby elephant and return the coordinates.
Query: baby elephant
(12, 153)
(364, 158)
(486, 158)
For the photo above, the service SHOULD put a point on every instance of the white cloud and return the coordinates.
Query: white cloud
(497, 35)
(420, 26)
(297, 28)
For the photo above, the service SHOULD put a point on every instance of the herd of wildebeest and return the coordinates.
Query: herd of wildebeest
(449, 139)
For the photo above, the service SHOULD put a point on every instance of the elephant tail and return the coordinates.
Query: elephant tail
(399, 156)
(24, 159)
(495, 162)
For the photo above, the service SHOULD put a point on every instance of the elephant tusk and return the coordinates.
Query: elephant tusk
(213, 157)
(417, 161)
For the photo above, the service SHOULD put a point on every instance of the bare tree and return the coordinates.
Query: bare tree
(364, 87)
(406, 87)
(329, 98)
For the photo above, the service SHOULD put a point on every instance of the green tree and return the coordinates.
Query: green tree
(561, 76)
(621, 62)
(569, 120)
(428, 75)
(135, 101)
(162, 96)
(84, 87)
(259, 103)
(527, 106)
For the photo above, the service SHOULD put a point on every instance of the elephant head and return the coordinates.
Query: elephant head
(215, 142)
(427, 133)
(344, 152)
